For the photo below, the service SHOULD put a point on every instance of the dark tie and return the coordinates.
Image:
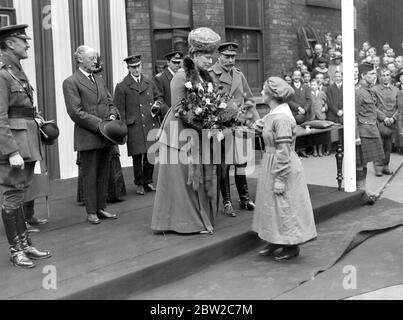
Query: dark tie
(91, 77)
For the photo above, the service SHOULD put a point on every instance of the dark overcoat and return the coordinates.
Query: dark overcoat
(163, 84)
(88, 104)
(134, 101)
(334, 103)
(17, 134)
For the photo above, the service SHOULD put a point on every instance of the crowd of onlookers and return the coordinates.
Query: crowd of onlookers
(318, 84)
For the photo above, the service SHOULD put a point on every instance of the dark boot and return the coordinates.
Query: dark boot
(229, 210)
(18, 257)
(26, 243)
(287, 253)
(225, 185)
(245, 202)
(30, 251)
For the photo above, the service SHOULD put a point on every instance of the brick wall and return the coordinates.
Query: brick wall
(283, 18)
(139, 31)
(209, 13)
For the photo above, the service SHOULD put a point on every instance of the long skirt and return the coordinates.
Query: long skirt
(287, 219)
(178, 207)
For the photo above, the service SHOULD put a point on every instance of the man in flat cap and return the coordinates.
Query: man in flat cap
(224, 73)
(163, 79)
(88, 104)
(368, 138)
(20, 143)
(140, 105)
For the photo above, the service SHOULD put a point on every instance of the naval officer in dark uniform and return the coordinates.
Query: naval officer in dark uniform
(20, 143)
(140, 105)
(163, 79)
(224, 73)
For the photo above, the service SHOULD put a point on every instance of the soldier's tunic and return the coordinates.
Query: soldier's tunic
(371, 149)
(19, 132)
(235, 84)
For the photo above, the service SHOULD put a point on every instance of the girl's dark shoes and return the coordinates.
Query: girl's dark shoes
(287, 253)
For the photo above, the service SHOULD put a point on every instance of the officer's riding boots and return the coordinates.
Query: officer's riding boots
(245, 202)
(226, 194)
(26, 243)
(18, 257)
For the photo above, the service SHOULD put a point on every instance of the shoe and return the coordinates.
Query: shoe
(102, 214)
(287, 253)
(20, 260)
(31, 229)
(229, 210)
(303, 154)
(378, 171)
(269, 249)
(387, 171)
(36, 222)
(93, 219)
(140, 191)
(327, 153)
(370, 199)
(247, 205)
(315, 154)
(149, 187)
(30, 251)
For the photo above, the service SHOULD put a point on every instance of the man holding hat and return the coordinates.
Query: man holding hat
(140, 104)
(224, 73)
(20, 143)
(163, 79)
(368, 138)
(90, 105)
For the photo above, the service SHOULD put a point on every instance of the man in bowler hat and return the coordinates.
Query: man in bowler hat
(20, 143)
(224, 73)
(89, 104)
(163, 79)
(140, 105)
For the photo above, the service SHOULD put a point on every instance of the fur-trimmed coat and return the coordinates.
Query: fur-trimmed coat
(172, 125)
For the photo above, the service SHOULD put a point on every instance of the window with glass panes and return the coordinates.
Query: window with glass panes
(171, 23)
(244, 25)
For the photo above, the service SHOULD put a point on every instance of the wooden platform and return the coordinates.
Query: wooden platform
(117, 258)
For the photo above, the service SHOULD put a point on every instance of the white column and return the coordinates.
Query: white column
(119, 46)
(63, 69)
(23, 9)
(349, 95)
(91, 24)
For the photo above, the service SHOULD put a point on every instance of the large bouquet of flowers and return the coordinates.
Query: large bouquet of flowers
(208, 106)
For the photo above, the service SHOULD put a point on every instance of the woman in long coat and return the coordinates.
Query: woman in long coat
(283, 216)
(183, 201)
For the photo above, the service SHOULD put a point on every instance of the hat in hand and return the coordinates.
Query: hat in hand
(114, 130)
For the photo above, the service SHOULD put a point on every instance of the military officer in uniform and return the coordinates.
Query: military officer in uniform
(140, 105)
(20, 143)
(224, 73)
(163, 79)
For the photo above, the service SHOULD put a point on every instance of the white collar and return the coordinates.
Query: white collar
(297, 85)
(85, 72)
(136, 78)
(283, 109)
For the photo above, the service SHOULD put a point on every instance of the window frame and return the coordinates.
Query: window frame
(188, 28)
(260, 59)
